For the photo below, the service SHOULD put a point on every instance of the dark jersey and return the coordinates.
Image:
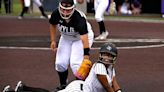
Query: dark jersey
(74, 28)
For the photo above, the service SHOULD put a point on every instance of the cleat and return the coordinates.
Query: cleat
(7, 89)
(102, 36)
(19, 87)
(49, 16)
(98, 37)
(20, 17)
(44, 16)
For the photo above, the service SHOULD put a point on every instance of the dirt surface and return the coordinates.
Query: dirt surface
(25, 54)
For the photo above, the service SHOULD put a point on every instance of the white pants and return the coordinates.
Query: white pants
(74, 86)
(27, 3)
(71, 52)
(100, 6)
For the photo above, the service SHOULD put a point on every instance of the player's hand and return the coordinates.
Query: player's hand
(53, 46)
(86, 57)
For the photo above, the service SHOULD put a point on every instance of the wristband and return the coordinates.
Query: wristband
(119, 90)
(86, 51)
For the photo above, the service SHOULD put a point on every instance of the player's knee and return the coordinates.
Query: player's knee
(60, 67)
(75, 68)
(98, 18)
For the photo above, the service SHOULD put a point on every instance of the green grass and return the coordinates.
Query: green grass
(16, 8)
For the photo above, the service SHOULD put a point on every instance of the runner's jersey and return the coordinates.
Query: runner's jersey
(74, 28)
(92, 84)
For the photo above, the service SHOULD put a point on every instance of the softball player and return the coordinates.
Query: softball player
(101, 7)
(75, 41)
(102, 74)
(27, 4)
(125, 8)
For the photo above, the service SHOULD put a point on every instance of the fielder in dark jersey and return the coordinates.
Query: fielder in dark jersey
(72, 28)
(75, 41)
(74, 44)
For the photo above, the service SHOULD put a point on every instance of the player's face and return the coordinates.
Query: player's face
(66, 10)
(107, 58)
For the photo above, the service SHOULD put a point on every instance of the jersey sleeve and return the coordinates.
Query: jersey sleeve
(54, 17)
(81, 24)
(100, 69)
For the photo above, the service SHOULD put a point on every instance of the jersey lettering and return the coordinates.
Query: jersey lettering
(66, 30)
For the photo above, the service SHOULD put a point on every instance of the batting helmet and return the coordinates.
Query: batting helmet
(111, 49)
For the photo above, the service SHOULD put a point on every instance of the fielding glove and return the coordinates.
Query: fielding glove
(84, 69)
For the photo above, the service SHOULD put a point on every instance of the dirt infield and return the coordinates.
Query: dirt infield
(25, 54)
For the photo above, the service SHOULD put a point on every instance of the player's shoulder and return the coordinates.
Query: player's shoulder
(55, 12)
(55, 16)
(79, 14)
(99, 64)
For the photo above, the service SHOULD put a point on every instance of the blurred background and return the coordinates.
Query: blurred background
(14, 7)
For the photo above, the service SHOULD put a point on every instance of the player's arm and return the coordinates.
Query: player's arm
(86, 65)
(103, 80)
(53, 36)
(85, 42)
(115, 85)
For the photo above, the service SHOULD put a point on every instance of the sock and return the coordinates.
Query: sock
(42, 11)
(6, 6)
(33, 89)
(23, 11)
(101, 27)
(63, 77)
